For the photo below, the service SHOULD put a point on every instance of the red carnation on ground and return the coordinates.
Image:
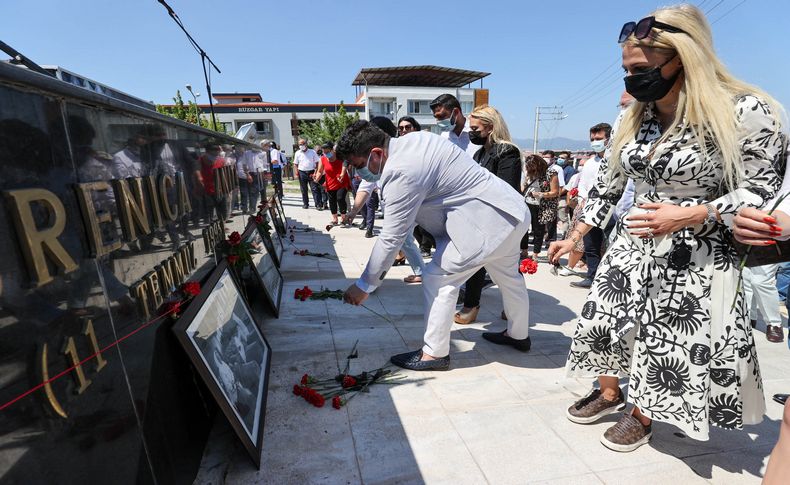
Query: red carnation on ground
(234, 239)
(528, 266)
(298, 293)
(337, 403)
(232, 259)
(306, 379)
(297, 390)
(319, 401)
(349, 381)
(192, 288)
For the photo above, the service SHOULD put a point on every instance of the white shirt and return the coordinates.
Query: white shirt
(274, 156)
(126, 164)
(574, 182)
(560, 174)
(307, 160)
(260, 162)
(589, 175)
(462, 140)
(241, 165)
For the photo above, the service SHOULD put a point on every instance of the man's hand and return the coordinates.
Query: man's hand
(354, 295)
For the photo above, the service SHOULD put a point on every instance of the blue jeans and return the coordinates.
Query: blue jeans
(782, 280)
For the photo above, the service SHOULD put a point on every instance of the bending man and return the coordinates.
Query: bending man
(476, 218)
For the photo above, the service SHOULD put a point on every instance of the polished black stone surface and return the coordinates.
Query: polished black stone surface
(138, 414)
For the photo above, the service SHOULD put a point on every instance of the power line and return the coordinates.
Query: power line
(728, 11)
(615, 77)
(575, 93)
(713, 7)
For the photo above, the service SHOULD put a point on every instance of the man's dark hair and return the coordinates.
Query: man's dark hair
(605, 127)
(359, 139)
(447, 100)
(328, 145)
(566, 153)
(386, 125)
(549, 153)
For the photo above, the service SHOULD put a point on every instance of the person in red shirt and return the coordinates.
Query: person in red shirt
(209, 162)
(337, 180)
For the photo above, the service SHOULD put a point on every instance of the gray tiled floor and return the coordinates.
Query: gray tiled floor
(496, 417)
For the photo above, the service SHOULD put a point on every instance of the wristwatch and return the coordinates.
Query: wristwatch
(711, 218)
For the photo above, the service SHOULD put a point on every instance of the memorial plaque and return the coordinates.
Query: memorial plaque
(277, 221)
(222, 338)
(263, 272)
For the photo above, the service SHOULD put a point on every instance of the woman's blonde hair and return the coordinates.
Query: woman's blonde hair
(492, 118)
(707, 95)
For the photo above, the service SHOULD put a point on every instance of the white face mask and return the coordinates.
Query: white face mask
(598, 145)
(303, 148)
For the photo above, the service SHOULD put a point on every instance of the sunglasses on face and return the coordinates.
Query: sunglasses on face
(405, 128)
(642, 29)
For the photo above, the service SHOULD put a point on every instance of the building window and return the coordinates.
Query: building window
(228, 128)
(381, 108)
(263, 126)
(466, 107)
(419, 107)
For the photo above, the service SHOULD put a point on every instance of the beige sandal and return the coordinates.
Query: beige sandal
(466, 317)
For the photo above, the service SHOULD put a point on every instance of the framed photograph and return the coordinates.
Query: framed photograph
(277, 221)
(280, 209)
(263, 272)
(222, 338)
(277, 242)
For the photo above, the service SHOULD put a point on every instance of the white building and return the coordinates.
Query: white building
(408, 90)
(275, 121)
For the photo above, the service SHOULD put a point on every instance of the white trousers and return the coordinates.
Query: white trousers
(440, 291)
(759, 290)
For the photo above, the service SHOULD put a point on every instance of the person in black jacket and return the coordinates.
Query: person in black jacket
(500, 156)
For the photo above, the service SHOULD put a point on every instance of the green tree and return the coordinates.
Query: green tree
(329, 128)
(189, 112)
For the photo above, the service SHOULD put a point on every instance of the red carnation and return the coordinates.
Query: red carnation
(306, 379)
(303, 252)
(172, 308)
(235, 238)
(337, 402)
(574, 192)
(232, 259)
(319, 401)
(528, 265)
(297, 390)
(192, 288)
(349, 381)
(298, 293)
(259, 219)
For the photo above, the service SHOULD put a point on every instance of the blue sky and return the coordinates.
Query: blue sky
(539, 53)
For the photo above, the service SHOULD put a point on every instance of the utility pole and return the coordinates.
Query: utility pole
(545, 113)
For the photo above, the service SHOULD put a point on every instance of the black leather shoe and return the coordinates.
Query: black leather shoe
(774, 333)
(585, 283)
(500, 338)
(369, 232)
(781, 398)
(411, 361)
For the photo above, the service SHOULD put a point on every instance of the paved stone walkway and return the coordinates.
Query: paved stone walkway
(498, 416)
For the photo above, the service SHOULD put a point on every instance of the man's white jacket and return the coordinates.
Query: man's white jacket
(468, 210)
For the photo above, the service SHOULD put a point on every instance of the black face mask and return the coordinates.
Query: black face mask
(650, 86)
(476, 138)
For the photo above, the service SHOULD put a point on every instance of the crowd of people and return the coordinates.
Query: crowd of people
(648, 221)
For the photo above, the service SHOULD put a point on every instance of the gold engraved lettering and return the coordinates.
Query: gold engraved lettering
(154, 291)
(70, 349)
(184, 205)
(166, 183)
(190, 251)
(40, 246)
(156, 213)
(176, 270)
(131, 207)
(53, 401)
(166, 283)
(92, 219)
(89, 331)
(139, 292)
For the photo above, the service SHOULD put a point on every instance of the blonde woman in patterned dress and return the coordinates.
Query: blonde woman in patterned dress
(699, 145)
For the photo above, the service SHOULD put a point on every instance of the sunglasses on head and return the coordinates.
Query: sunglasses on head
(642, 29)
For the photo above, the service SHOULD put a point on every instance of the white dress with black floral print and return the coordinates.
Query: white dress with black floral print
(661, 310)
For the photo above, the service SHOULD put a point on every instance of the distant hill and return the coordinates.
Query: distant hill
(557, 143)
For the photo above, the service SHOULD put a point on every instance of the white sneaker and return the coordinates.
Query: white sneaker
(566, 271)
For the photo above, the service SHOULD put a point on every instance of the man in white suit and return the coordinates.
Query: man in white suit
(476, 218)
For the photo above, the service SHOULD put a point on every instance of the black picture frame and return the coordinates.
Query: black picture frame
(270, 245)
(223, 340)
(279, 223)
(280, 209)
(277, 241)
(263, 271)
